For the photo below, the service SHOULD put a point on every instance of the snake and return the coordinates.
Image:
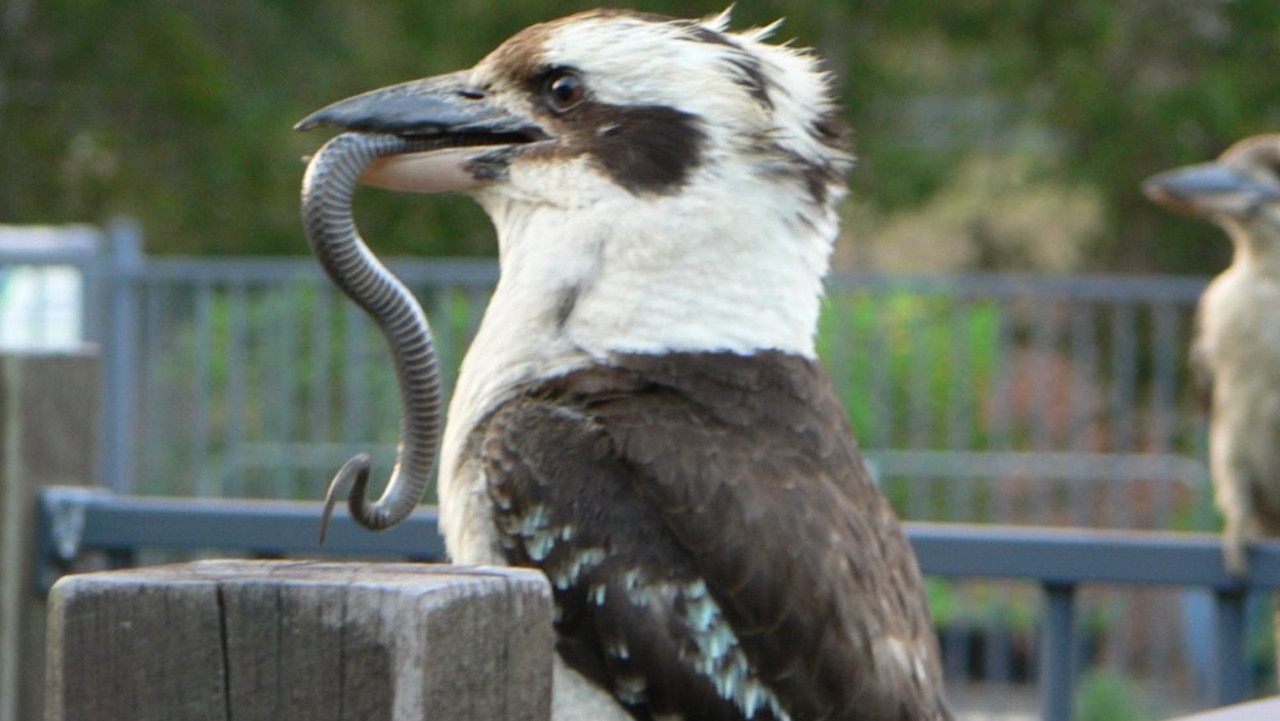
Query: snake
(328, 188)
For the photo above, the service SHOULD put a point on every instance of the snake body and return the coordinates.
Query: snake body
(328, 188)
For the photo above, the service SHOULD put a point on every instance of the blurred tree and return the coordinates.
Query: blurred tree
(179, 111)
(1104, 92)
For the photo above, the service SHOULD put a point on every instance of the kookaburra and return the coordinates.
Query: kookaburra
(1235, 354)
(642, 414)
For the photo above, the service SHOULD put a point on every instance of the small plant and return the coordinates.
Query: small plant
(1107, 695)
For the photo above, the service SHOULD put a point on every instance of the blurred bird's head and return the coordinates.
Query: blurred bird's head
(614, 148)
(1240, 191)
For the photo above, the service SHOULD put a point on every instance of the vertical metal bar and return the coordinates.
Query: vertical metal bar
(956, 652)
(921, 325)
(1084, 364)
(238, 360)
(283, 347)
(880, 353)
(965, 376)
(1057, 652)
(964, 379)
(355, 388)
(1004, 370)
(295, 351)
(1229, 682)
(1124, 438)
(155, 410)
(119, 363)
(1165, 356)
(447, 329)
(1162, 409)
(321, 406)
(1166, 345)
(1084, 361)
(201, 391)
(273, 381)
(839, 342)
(1124, 371)
(1044, 336)
(1041, 366)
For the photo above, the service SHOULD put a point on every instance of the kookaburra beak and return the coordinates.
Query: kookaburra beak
(1208, 190)
(464, 133)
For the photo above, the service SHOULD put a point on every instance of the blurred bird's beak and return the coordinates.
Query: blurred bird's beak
(468, 137)
(1209, 189)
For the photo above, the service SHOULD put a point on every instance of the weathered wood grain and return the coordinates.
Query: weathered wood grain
(249, 640)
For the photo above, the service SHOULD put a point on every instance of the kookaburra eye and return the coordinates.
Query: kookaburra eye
(563, 90)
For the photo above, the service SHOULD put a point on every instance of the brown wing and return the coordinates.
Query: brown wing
(566, 503)
(732, 478)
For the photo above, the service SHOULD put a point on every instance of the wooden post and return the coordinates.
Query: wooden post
(268, 640)
(48, 433)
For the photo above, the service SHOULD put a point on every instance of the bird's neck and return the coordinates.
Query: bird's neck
(1257, 246)
(671, 275)
(659, 275)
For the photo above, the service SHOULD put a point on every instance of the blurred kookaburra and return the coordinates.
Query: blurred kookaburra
(1236, 351)
(642, 415)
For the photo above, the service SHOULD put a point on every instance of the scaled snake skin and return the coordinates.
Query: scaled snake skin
(328, 188)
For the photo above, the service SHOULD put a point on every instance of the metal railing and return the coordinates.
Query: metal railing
(222, 376)
(1005, 399)
(76, 522)
(226, 376)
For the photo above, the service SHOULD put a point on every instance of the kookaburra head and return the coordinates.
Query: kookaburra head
(1240, 192)
(675, 182)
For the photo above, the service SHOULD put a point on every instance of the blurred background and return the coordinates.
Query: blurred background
(1008, 322)
(992, 134)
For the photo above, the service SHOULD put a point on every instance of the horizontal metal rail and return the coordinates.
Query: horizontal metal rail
(448, 272)
(483, 272)
(1018, 285)
(74, 521)
(1079, 555)
(1076, 466)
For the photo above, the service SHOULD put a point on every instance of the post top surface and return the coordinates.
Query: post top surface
(414, 577)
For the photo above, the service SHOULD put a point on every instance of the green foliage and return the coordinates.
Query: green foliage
(913, 371)
(1106, 695)
(929, 353)
(985, 605)
(180, 112)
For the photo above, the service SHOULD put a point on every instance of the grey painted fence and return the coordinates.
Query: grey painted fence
(977, 398)
(973, 395)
